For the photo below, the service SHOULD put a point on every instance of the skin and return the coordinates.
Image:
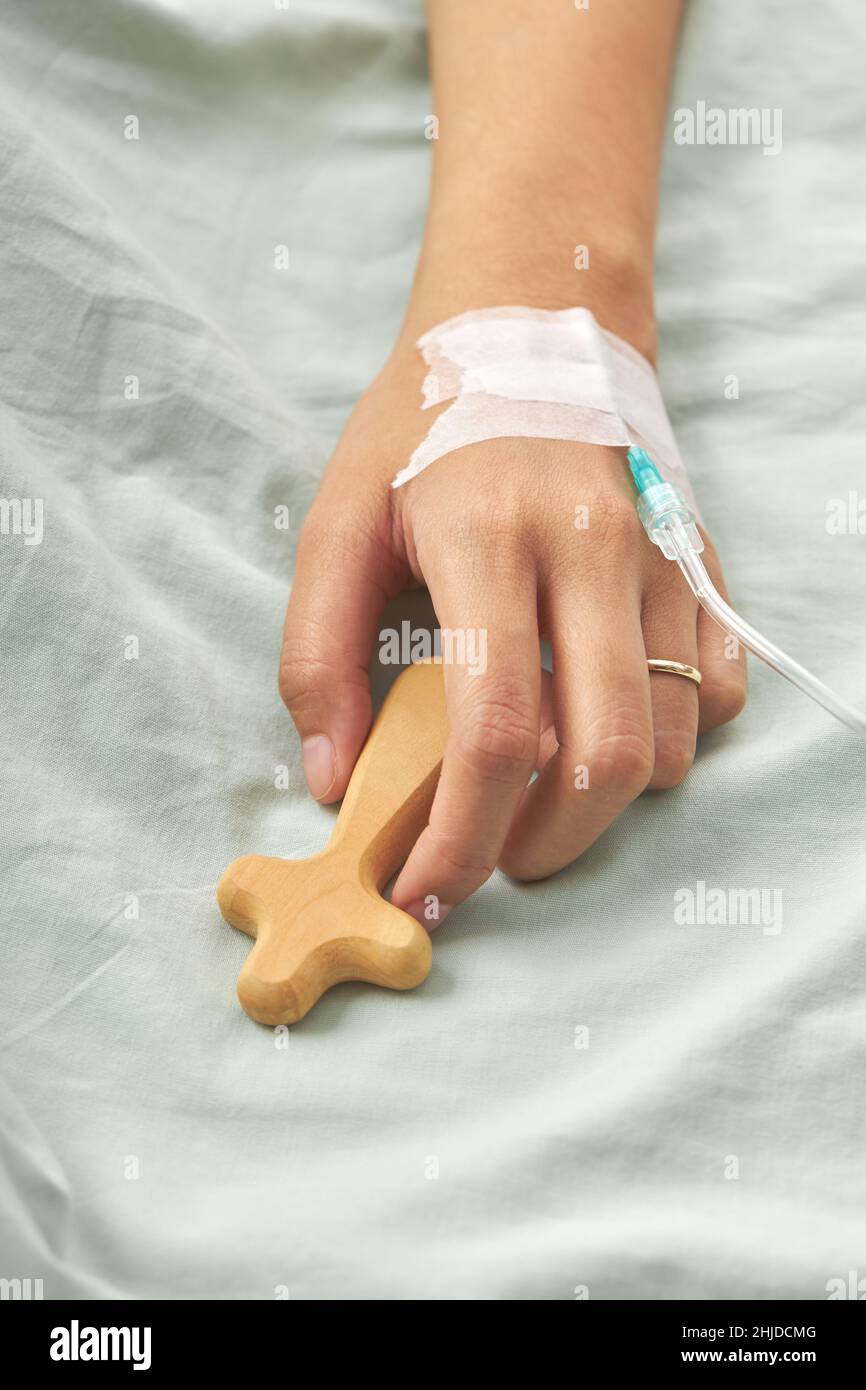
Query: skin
(550, 128)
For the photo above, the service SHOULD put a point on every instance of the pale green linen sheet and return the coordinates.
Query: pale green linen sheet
(163, 388)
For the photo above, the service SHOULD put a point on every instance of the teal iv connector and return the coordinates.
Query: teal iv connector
(670, 524)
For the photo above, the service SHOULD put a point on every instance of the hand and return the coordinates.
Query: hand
(491, 531)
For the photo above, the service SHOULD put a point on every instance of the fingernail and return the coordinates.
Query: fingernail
(320, 764)
(428, 911)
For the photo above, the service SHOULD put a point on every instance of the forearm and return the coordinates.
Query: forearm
(550, 128)
(550, 123)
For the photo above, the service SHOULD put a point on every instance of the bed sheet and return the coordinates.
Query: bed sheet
(587, 1097)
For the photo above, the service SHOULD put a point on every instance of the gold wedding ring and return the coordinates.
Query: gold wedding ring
(675, 668)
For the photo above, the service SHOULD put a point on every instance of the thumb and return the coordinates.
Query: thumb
(343, 577)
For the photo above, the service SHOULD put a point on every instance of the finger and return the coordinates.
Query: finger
(670, 631)
(722, 661)
(603, 722)
(344, 575)
(493, 741)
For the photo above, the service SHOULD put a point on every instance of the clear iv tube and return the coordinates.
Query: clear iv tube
(670, 524)
(709, 598)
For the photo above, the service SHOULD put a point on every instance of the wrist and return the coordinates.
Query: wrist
(558, 262)
(612, 277)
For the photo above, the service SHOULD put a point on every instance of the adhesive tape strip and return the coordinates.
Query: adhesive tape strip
(524, 373)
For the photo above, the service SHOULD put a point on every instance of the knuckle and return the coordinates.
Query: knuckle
(461, 526)
(613, 535)
(665, 585)
(452, 854)
(499, 735)
(495, 512)
(615, 522)
(300, 683)
(519, 865)
(674, 756)
(724, 700)
(305, 676)
(621, 760)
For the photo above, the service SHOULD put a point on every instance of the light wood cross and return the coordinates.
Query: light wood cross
(322, 920)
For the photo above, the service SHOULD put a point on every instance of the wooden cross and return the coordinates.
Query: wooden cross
(322, 920)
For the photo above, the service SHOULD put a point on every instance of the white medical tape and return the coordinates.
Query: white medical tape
(541, 374)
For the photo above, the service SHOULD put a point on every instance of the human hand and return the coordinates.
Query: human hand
(491, 531)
